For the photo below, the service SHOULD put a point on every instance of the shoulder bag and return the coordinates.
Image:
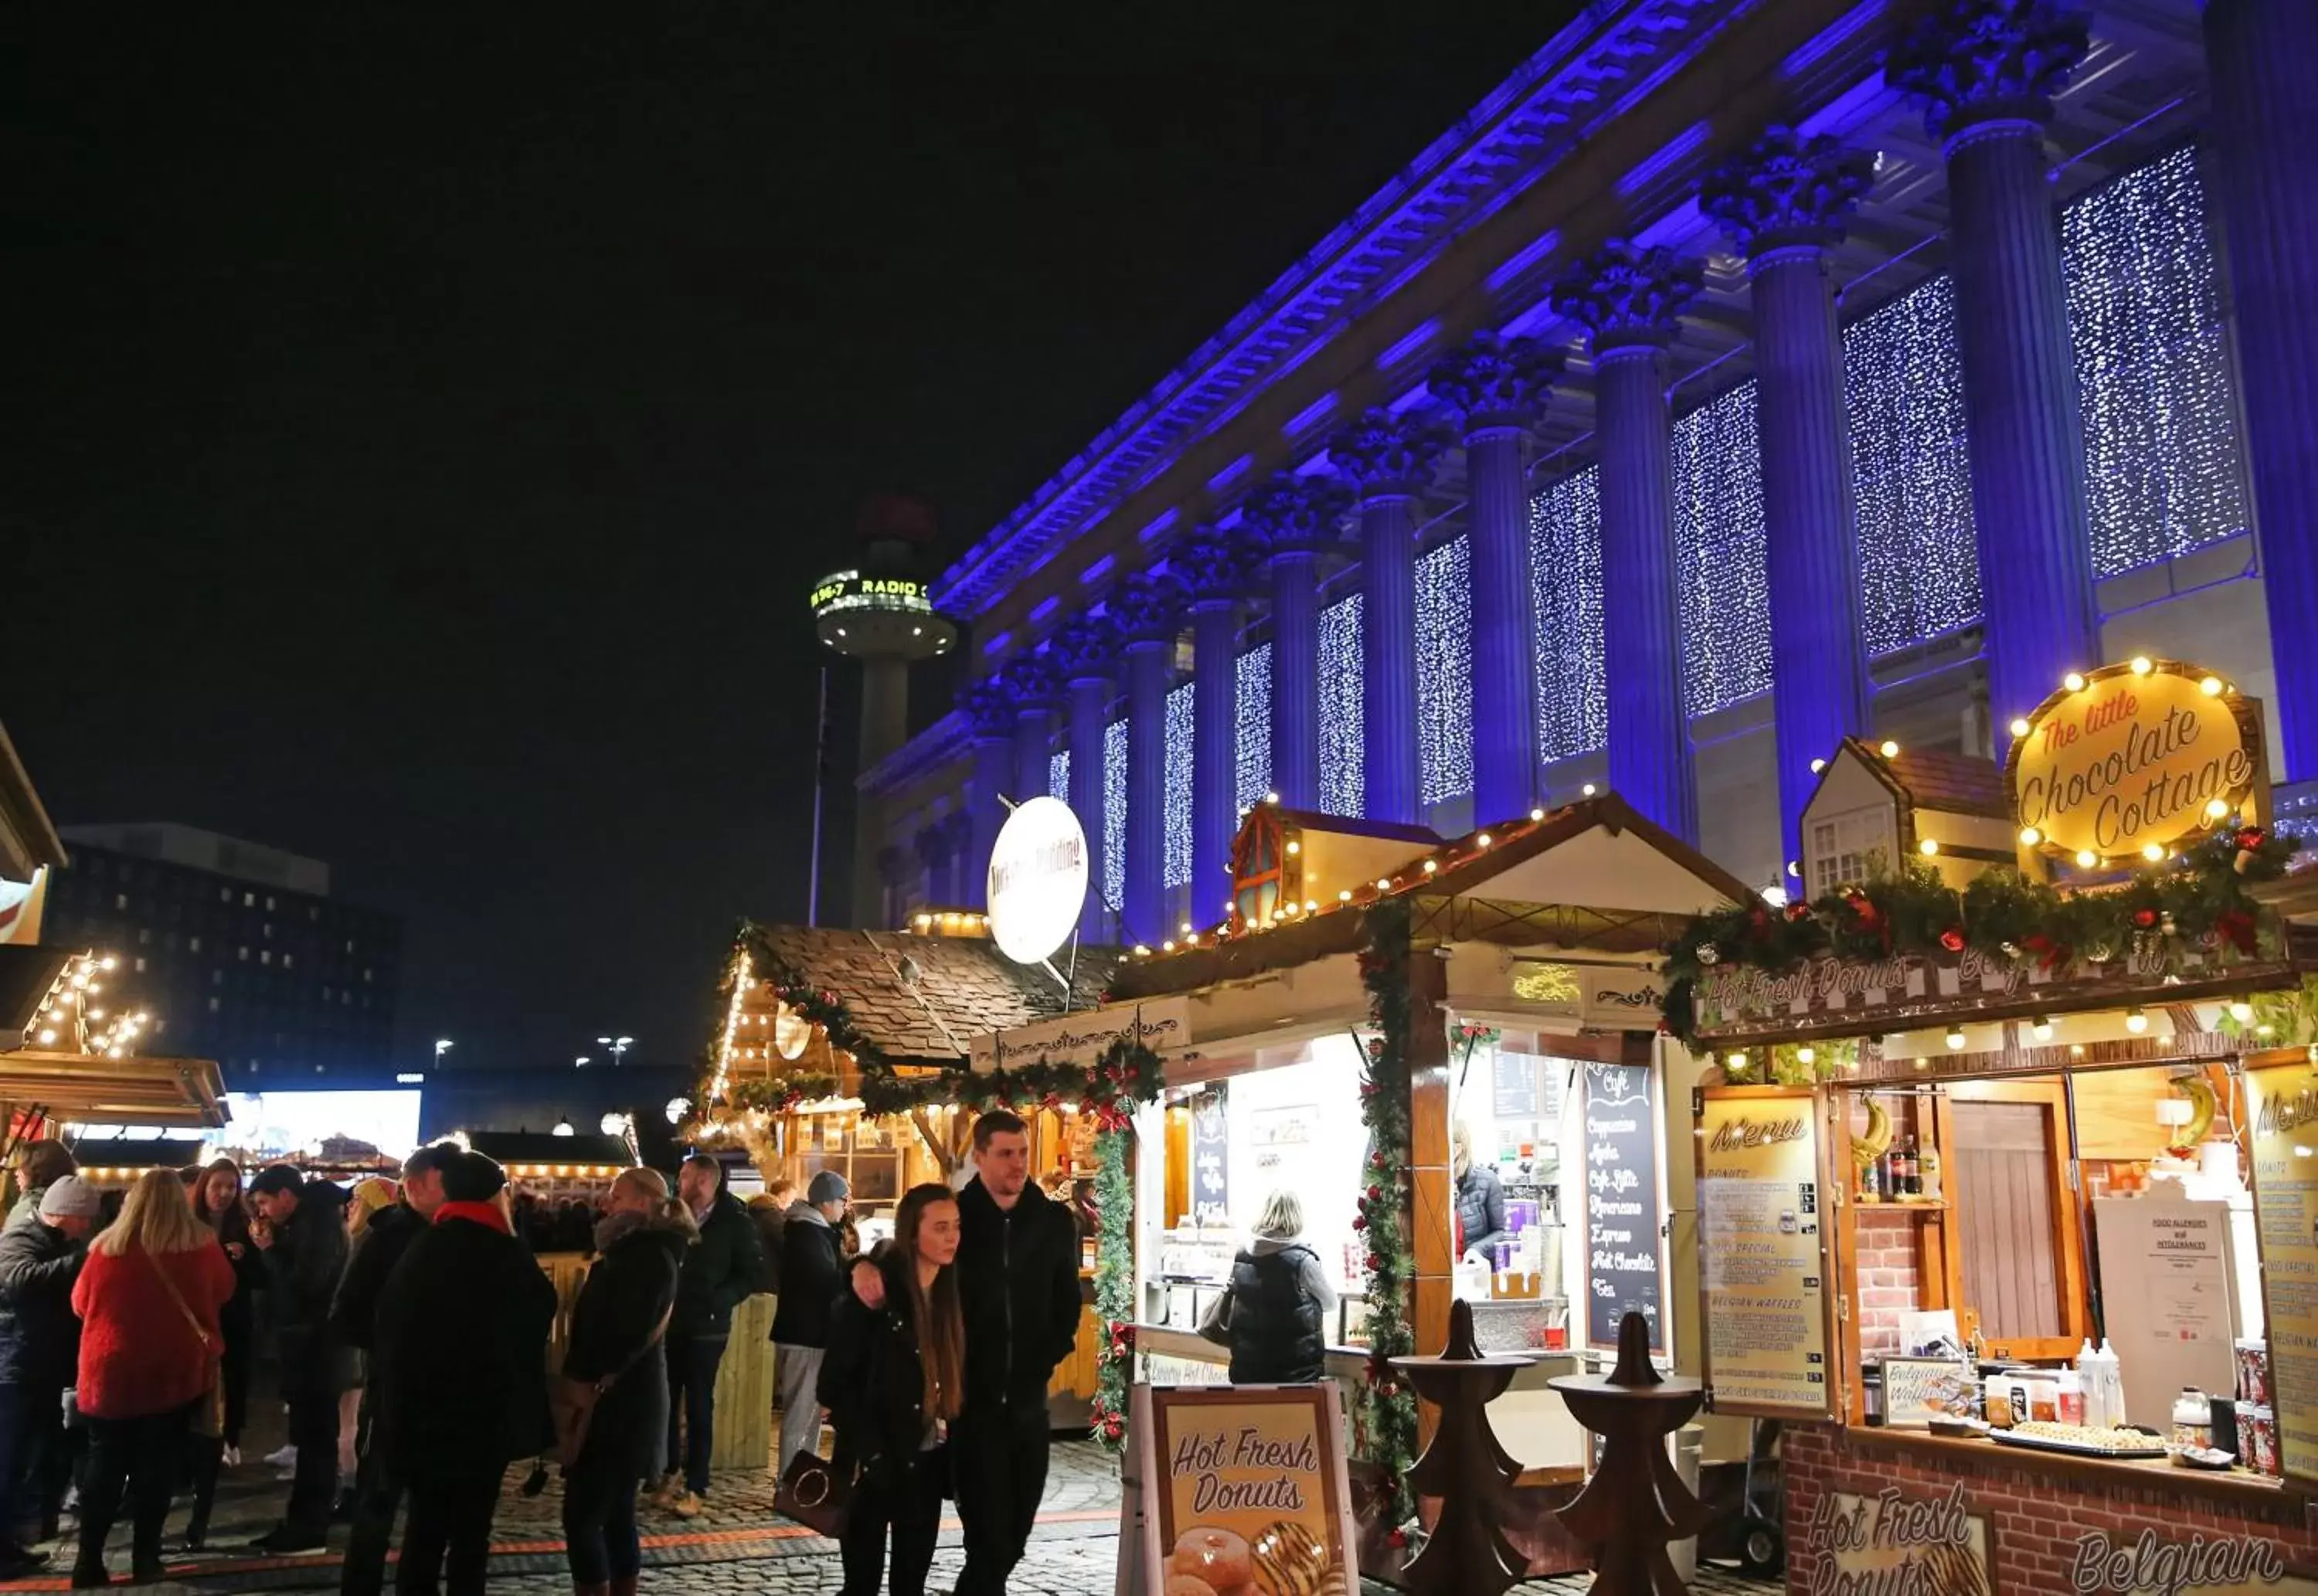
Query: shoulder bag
(209, 1411)
(573, 1402)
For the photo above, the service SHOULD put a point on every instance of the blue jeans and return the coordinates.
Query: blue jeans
(599, 1520)
(32, 1453)
(692, 1364)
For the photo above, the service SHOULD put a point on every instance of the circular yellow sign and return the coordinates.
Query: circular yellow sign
(2130, 761)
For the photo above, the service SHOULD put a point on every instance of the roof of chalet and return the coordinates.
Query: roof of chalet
(1454, 906)
(925, 999)
(1933, 778)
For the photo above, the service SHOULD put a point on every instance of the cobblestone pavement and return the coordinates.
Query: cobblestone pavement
(737, 1547)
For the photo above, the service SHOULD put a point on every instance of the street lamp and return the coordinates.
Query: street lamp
(563, 1128)
(580, 1062)
(443, 1045)
(615, 1123)
(618, 1045)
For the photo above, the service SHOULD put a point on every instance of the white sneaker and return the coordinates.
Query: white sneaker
(231, 1457)
(287, 1457)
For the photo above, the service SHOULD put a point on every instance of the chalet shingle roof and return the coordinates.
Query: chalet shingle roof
(1957, 783)
(927, 997)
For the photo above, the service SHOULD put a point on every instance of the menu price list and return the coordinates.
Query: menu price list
(1759, 1230)
(2285, 1104)
(1624, 1222)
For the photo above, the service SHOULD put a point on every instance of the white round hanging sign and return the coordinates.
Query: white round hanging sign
(1038, 880)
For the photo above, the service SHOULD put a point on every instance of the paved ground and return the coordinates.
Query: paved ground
(737, 1548)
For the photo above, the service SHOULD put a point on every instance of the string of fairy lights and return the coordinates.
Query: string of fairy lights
(76, 1015)
(1340, 706)
(1564, 573)
(1719, 557)
(1179, 785)
(1252, 732)
(1444, 671)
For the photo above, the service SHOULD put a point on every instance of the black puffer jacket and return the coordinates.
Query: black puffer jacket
(39, 1336)
(1018, 1271)
(302, 1273)
(1277, 1325)
(631, 1287)
(725, 1270)
(811, 1278)
(354, 1309)
(873, 1382)
(459, 1371)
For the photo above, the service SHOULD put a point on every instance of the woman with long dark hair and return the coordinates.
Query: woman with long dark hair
(615, 1371)
(149, 1298)
(893, 1381)
(216, 1194)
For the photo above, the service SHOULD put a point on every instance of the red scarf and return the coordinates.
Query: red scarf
(480, 1213)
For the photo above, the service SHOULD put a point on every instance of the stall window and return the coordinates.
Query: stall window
(2021, 1260)
(1850, 847)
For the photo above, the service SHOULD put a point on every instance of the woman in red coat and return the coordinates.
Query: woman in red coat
(149, 1298)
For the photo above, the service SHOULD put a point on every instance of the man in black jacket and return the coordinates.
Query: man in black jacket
(722, 1271)
(354, 1319)
(811, 1278)
(304, 1240)
(40, 1349)
(1017, 1274)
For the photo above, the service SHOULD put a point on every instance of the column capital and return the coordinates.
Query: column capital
(1146, 608)
(1033, 680)
(989, 706)
(1493, 381)
(1785, 190)
(1975, 61)
(1216, 564)
(1627, 297)
(1084, 650)
(1388, 456)
(1293, 514)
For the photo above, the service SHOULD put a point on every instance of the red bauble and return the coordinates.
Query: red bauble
(1360, 1222)
(1375, 1262)
(1798, 912)
(2145, 918)
(2252, 838)
(1375, 1192)
(1952, 939)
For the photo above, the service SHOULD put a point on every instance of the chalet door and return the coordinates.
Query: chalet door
(2018, 1269)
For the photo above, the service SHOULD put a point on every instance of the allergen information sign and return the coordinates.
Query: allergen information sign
(1625, 1226)
(2284, 1099)
(1762, 1252)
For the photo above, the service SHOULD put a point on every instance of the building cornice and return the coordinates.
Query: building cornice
(945, 739)
(1587, 74)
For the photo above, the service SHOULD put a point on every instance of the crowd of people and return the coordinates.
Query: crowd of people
(410, 1324)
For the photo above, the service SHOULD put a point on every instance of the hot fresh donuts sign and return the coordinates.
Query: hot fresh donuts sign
(1246, 1493)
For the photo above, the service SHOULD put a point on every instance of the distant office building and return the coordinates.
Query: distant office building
(237, 951)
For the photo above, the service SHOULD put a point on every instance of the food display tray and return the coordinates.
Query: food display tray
(2155, 1448)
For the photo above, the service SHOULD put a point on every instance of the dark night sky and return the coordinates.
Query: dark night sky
(425, 421)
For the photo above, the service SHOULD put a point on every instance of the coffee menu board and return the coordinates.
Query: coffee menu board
(1211, 1158)
(1625, 1215)
(2283, 1100)
(1244, 1488)
(1762, 1241)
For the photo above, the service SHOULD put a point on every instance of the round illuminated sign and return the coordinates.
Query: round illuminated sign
(2130, 761)
(1038, 880)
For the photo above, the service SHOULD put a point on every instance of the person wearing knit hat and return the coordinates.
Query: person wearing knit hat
(40, 1354)
(811, 1278)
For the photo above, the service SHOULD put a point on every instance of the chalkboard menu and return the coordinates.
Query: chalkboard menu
(1625, 1249)
(1210, 1160)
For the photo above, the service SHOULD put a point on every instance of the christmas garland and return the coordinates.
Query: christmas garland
(1114, 1287)
(2198, 901)
(1385, 1414)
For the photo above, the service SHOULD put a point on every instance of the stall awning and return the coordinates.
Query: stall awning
(79, 1088)
(27, 973)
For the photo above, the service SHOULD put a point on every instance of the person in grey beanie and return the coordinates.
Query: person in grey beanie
(811, 1278)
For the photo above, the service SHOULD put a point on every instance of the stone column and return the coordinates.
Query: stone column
(1628, 298)
(1215, 567)
(1031, 680)
(2262, 56)
(1389, 460)
(1985, 71)
(1293, 521)
(990, 708)
(1083, 658)
(1498, 385)
(1148, 611)
(1786, 202)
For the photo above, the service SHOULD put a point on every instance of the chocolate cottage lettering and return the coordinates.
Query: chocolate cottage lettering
(2124, 811)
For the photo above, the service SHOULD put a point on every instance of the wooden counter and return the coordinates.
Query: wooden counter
(2234, 1487)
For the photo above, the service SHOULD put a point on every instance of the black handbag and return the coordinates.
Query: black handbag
(817, 1493)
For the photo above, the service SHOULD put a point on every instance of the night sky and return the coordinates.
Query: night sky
(425, 422)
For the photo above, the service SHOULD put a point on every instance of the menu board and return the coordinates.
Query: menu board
(1514, 1082)
(1210, 1159)
(1626, 1244)
(1763, 1254)
(2283, 1101)
(1244, 1488)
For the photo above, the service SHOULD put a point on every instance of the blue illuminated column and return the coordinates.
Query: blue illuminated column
(1498, 385)
(1985, 71)
(1390, 460)
(1148, 611)
(1031, 680)
(1629, 299)
(1084, 655)
(2263, 57)
(1786, 202)
(1292, 524)
(990, 709)
(1216, 568)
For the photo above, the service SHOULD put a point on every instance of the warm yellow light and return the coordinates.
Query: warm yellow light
(924, 920)
(1345, 896)
(1588, 789)
(2152, 851)
(48, 1035)
(1142, 952)
(1482, 840)
(2241, 1010)
(1891, 749)
(1955, 1038)
(1928, 847)
(1272, 797)
(1191, 936)
(2041, 1028)
(1292, 907)
(1806, 1055)
(2217, 808)
(1294, 847)
(1431, 865)
(1818, 765)
(1738, 1060)
(2211, 686)
(2021, 726)
(2031, 836)
(2141, 664)
(1187, 927)
(108, 963)
(1383, 883)
(1311, 906)
(1537, 814)
(2074, 682)
(2086, 858)
(1167, 946)
(2135, 1021)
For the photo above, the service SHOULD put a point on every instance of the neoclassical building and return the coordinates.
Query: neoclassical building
(1739, 375)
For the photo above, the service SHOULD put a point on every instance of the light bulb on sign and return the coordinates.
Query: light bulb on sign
(2074, 682)
(2021, 726)
(2031, 836)
(2141, 664)
(2086, 858)
(2216, 808)
(1928, 847)
(2152, 851)
(1818, 765)
(2211, 686)
(1889, 749)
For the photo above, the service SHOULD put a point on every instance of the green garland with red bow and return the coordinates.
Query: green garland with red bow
(2197, 901)
(1384, 1419)
(1114, 1285)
